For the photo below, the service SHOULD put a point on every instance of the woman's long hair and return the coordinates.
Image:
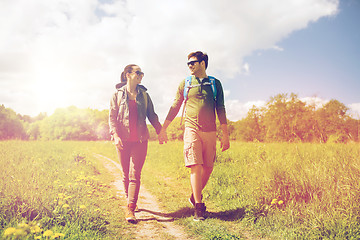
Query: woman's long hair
(127, 69)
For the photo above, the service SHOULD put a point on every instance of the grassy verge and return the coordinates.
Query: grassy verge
(55, 190)
(284, 191)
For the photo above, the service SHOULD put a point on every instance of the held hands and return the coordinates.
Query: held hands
(162, 136)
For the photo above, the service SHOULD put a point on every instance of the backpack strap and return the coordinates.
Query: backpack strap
(187, 85)
(213, 86)
(186, 91)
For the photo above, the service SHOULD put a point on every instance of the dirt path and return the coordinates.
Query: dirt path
(153, 222)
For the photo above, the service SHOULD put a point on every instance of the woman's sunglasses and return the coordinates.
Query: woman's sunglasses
(139, 73)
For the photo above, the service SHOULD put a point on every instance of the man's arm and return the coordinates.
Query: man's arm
(220, 109)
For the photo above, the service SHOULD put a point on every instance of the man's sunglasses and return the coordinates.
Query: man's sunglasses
(139, 73)
(191, 63)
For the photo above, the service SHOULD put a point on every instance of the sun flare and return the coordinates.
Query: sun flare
(51, 90)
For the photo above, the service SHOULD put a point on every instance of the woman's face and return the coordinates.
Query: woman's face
(136, 75)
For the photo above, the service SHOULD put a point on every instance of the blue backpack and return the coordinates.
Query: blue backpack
(188, 86)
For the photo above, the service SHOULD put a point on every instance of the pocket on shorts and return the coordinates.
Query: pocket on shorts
(187, 150)
(189, 154)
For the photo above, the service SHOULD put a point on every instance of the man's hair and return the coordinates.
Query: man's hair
(200, 56)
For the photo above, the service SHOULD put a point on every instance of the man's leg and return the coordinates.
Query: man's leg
(196, 181)
(199, 177)
(206, 172)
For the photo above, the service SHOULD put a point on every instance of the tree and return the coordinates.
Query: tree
(250, 128)
(288, 119)
(75, 124)
(276, 119)
(33, 131)
(352, 129)
(10, 125)
(300, 120)
(331, 119)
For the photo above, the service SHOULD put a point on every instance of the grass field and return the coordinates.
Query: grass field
(281, 191)
(284, 191)
(52, 190)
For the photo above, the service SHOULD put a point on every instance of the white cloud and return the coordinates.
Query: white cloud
(280, 49)
(354, 110)
(314, 101)
(62, 52)
(246, 69)
(236, 110)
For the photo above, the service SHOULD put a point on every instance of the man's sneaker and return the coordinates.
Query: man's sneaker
(199, 212)
(130, 214)
(192, 199)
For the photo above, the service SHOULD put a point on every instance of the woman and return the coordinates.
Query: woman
(129, 107)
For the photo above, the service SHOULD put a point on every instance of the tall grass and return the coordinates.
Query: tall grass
(286, 191)
(282, 191)
(55, 190)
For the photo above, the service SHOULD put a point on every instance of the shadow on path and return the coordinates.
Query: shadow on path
(165, 217)
(229, 215)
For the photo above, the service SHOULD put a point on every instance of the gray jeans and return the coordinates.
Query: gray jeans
(132, 158)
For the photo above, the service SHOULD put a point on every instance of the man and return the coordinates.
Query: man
(201, 100)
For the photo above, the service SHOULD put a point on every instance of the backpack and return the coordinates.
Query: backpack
(188, 86)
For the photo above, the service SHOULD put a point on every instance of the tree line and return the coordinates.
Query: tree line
(288, 119)
(284, 118)
(69, 123)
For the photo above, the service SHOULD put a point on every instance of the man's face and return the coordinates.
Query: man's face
(194, 66)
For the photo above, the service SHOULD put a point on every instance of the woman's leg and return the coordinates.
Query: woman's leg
(124, 159)
(138, 155)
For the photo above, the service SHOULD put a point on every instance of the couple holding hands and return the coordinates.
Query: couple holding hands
(203, 98)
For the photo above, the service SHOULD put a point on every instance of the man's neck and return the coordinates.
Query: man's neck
(201, 75)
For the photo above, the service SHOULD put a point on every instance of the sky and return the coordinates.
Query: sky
(61, 53)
